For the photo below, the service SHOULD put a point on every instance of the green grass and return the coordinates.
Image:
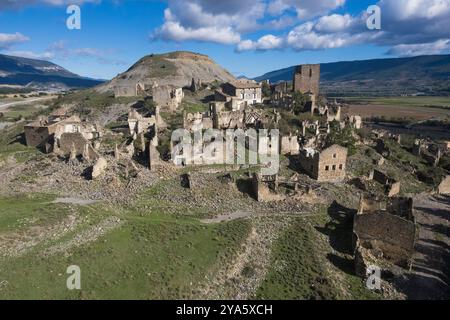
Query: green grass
(298, 264)
(12, 144)
(23, 210)
(147, 258)
(195, 107)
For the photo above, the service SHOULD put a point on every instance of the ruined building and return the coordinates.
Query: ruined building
(64, 137)
(327, 165)
(165, 96)
(239, 94)
(384, 231)
(307, 79)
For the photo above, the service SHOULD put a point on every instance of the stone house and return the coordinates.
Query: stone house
(240, 94)
(327, 165)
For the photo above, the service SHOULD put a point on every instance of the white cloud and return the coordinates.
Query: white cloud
(334, 23)
(304, 8)
(409, 27)
(174, 31)
(31, 55)
(401, 10)
(9, 39)
(409, 50)
(267, 42)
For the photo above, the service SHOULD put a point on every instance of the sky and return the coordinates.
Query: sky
(247, 37)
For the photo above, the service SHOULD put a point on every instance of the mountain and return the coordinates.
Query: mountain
(428, 74)
(39, 74)
(175, 68)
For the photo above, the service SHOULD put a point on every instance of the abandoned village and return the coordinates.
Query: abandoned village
(329, 158)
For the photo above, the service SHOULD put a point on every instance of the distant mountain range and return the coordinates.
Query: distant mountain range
(422, 74)
(39, 74)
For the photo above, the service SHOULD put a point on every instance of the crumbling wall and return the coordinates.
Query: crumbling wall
(197, 121)
(261, 189)
(167, 96)
(229, 120)
(393, 235)
(289, 145)
(444, 186)
(37, 136)
(392, 186)
(75, 142)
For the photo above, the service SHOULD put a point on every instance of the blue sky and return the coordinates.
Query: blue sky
(248, 37)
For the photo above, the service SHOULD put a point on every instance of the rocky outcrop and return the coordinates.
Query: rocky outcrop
(99, 168)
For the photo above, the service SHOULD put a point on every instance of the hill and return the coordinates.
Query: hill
(39, 74)
(426, 74)
(176, 68)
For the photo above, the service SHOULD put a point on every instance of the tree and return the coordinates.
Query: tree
(265, 89)
(299, 102)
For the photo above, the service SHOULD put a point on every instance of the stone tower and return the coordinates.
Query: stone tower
(307, 78)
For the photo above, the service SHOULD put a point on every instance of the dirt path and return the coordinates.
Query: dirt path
(431, 268)
(27, 101)
(241, 277)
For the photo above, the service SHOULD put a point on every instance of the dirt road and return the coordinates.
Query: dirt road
(26, 101)
(431, 268)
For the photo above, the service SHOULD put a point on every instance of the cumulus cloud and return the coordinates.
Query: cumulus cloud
(409, 27)
(409, 50)
(304, 8)
(212, 21)
(266, 42)
(9, 39)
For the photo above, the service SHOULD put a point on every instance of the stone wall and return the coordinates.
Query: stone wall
(332, 164)
(307, 79)
(444, 186)
(393, 235)
(76, 142)
(289, 145)
(37, 136)
(197, 121)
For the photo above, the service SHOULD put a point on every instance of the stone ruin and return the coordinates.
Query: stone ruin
(384, 232)
(65, 137)
(392, 187)
(444, 186)
(197, 121)
(289, 145)
(430, 151)
(165, 96)
(265, 188)
(325, 165)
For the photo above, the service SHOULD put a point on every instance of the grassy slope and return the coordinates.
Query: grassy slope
(156, 256)
(305, 265)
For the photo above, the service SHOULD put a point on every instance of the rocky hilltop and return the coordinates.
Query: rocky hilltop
(175, 68)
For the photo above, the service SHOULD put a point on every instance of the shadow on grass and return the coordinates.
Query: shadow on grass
(339, 231)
